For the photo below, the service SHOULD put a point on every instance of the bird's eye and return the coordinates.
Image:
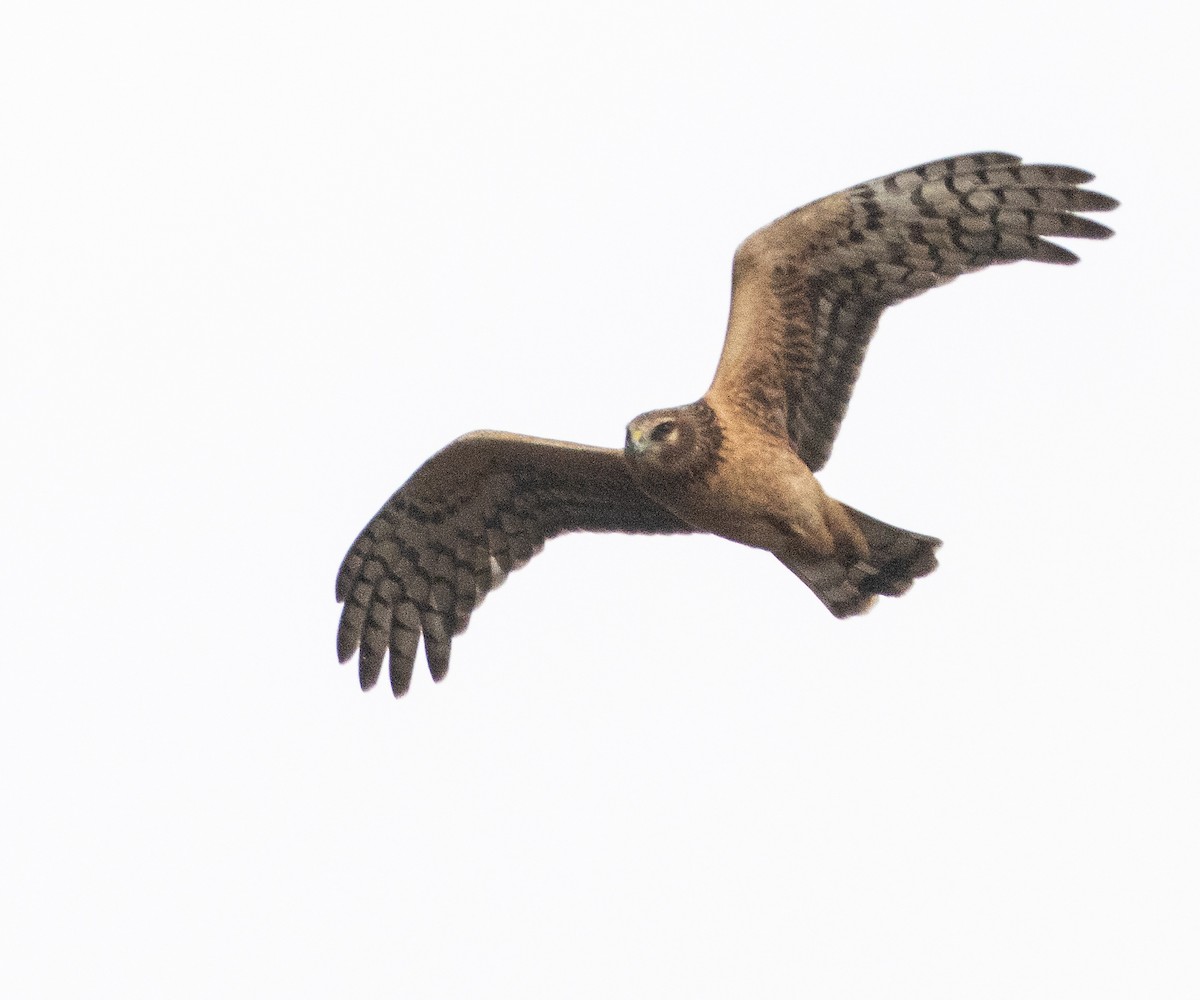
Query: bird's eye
(661, 431)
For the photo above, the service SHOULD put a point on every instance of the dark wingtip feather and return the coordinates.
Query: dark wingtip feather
(1051, 253)
(400, 674)
(370, 662)
(347, 637)
(1063, 174)
(437, 644)
(1089, 229)
(438, 658)
(859, 607)
(1095, 201)
(987, 158)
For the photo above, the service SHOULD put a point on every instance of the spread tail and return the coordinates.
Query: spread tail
(848, 585)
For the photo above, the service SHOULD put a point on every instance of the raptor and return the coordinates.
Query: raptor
(808, 291)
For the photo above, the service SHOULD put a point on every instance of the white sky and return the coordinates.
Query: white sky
(257, 261)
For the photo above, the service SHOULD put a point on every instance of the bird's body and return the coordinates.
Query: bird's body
(808, 290)
(759, 492)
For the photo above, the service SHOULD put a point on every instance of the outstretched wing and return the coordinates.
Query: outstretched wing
(808, 289)
(479, 508)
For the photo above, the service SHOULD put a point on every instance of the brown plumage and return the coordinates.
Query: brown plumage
(808, 290)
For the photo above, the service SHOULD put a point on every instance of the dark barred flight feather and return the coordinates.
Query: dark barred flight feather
(480, 508)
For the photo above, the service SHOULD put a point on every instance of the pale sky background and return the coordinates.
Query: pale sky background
(258, 261)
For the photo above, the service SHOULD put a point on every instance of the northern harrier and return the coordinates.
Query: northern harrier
(807, 293)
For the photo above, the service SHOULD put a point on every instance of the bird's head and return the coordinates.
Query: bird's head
(655, 433)
(681, 442)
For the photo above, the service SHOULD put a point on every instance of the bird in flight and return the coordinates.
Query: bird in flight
(808, 290)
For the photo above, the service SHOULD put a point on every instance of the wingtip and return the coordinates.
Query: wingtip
(1046, 252)
(368, 670)
(1089, 229)
(1097, 201)
(371, 650)
(439, 666)
(347, 640)
(400, 681)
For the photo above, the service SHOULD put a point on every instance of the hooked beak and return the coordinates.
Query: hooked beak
(635, 441)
